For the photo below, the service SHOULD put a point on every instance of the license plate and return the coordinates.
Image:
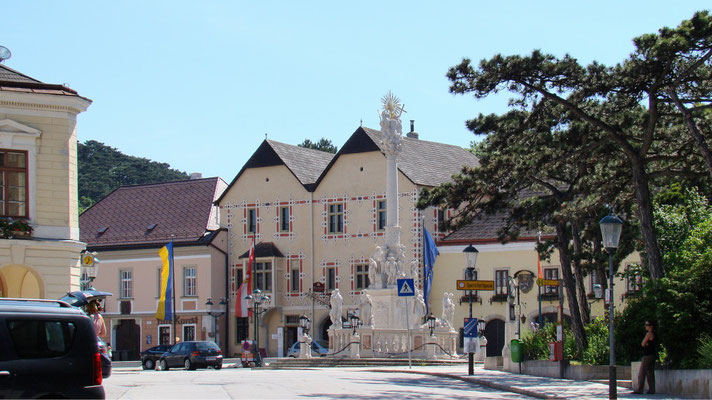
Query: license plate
(211, 358)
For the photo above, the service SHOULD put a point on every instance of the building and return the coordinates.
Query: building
(38, 167)
(126, 229)
(506, 315)
(316, 218)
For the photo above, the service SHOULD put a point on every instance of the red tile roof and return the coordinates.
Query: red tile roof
(182, 210)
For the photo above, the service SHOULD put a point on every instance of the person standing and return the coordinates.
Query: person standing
(647, 363)
(97, 319)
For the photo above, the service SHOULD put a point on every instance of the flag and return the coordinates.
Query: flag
(165, 301)
(241, 309)
(538, 266)
(430, 252)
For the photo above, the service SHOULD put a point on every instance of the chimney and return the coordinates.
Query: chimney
(412, 134)
(196, 175)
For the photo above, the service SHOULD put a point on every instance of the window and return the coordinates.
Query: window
(41, 338)
(13, 183)
(381, 213)
(362, 276)
(158, 281)
(242, 329)
(336, 218)
(188, 332)
(441, 220)
(252, 220)
(164, 334)
(294, 277)
(263, 276)
(501, 282)
(126, 288)
(633, 280)
(331, 278)
(553, 274)
(189, 281)
(284, 219)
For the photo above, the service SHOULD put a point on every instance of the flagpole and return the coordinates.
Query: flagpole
(173, 289)
(538, 239)
(422, 259)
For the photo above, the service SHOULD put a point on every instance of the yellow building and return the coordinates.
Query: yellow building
(316, 218)
(38, 180)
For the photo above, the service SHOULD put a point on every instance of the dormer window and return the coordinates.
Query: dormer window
(102, 230)
(151, 227)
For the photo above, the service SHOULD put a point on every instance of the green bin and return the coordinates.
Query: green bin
(515, 347)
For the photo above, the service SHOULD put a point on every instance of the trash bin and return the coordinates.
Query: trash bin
(515, 347)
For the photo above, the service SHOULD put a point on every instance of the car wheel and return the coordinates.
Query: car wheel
(164, 365)
(218, 366)
(149, 364)
(188, 365)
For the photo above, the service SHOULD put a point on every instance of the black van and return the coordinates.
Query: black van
(47, 349)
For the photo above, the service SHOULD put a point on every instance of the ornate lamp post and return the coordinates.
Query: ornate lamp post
(305, 341)
(257, 298)
(216, 314)
(354, 322)
(611, 227)
(470, 274)
(431, 323)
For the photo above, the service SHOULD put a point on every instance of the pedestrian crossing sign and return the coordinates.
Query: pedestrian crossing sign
(406, 287)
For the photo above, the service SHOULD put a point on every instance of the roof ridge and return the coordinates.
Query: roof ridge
(141, 185)
(270, 141)
(19, 73)
(414, 140)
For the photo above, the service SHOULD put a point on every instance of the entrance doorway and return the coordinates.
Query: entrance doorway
(290, 336)
(128, 340)
(494, 332)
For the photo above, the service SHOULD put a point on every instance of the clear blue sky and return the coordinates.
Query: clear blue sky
(197, 84)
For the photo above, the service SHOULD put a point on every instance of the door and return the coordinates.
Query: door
(290, 336)
(128, 340)
(494, 332)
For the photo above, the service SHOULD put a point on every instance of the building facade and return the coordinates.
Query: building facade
(126, 229)
(316, 218)
(38, 181)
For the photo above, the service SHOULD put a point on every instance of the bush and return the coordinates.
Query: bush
(705, 351)
(536, 344)
(597, 352)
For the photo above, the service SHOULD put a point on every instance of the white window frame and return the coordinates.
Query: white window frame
(361, 280)
(251, 220)
(294, 276)
(335, 218)
(381, 216)
(126, 283)
(190, 288)
(552, 274)
(328, 275)
(265, 274)
(499, 286)
(284, 219)
(195, 332)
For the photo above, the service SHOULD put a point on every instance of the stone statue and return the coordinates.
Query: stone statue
(414, 268)
(373, 274)
(418, 308)
(391, 271)
(448, 310)
(365, 309)
(335, 314)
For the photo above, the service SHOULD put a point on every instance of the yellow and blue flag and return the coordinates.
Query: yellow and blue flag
(165, 301)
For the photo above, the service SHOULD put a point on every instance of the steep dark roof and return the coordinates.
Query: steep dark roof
(485, 228)
(264, 249)
(305, 164)
(14, 81)
(182, 209)
(424, 163)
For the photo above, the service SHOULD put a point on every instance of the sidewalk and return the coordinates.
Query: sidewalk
(528, 385)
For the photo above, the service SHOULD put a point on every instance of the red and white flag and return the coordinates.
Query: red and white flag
(241, 307)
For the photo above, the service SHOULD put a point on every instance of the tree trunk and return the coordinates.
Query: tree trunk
(562, 244)
(645, 213)
(694, 130)
(578, 271)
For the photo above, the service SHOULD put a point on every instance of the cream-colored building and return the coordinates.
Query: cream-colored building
(317, 217)
(38, 184)
(126, 229)
(505, 315)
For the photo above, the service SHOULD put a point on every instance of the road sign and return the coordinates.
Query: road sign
(475, 285)
(470, 327)
(547, 282)
(406, 287)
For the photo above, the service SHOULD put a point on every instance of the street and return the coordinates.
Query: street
(327, 383)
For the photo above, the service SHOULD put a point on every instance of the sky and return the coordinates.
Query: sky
(198, 84)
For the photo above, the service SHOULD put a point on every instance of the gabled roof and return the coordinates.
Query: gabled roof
(14, 81)
(150, 215)
(305, 164)
(264, 249)
(424, 163)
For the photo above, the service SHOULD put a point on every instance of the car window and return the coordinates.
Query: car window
(41, 339)
(178, 347)
(206, 345)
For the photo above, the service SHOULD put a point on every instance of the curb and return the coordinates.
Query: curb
(479, 381)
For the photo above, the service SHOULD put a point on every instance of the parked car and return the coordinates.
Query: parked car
(317, 350)
(192, 355)
(80, 299)
(150, 357)
(48, 349)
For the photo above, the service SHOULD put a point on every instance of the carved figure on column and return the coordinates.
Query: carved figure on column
(336, 307)
(373, 274)
(391, 271)
(418, 309)
(414, 268)
(448, 310)
(365, 309)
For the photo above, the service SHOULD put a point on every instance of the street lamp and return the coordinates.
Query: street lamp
(431, 323)
(216, 314)
(257, 298)
(470, 275)
(304, 340)
(304, 322)
(354, 322)
(611, 227)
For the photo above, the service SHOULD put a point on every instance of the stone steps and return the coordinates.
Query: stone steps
(326, 362)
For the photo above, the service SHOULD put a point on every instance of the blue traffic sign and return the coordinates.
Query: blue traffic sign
(406, 287)
(470, 328)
